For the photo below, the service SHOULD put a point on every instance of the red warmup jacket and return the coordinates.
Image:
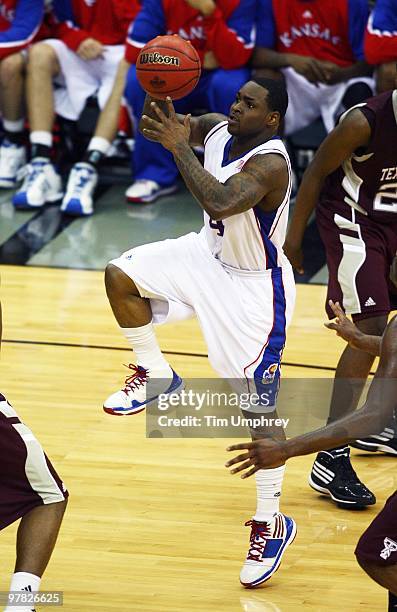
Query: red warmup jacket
(229, 32)
(104, 20)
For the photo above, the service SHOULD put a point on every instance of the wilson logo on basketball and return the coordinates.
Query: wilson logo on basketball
(157, 58)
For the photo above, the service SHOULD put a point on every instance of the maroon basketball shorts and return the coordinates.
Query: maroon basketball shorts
(359, 255)
(27, 478)
(378, 544)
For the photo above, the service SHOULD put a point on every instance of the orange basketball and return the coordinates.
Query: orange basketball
(168, 66)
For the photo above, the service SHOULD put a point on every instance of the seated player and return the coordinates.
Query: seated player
(233, 275)
(19, 25)
(376, 550)
(380, 43)
(223, 34)
(82, 61)
(318, 47)
(30, 490)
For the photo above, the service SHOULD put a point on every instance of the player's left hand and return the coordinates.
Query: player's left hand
(261, 454)
(343, 326)
(206, 7)
(333, 73)
(167, 130)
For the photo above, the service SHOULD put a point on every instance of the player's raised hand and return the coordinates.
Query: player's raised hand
(166, 129)
(260, 454)
(342, 325)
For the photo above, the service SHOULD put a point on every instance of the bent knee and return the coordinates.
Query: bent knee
(386, 75)
(10, 67)
(117, 281)
(43, 57)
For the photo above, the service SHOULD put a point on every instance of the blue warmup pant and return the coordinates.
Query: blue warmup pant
(215, 92)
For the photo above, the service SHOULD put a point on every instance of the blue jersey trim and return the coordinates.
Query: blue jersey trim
(265, 221)
(266, 35)
(267, 373)
(226, 151)
(358, 18)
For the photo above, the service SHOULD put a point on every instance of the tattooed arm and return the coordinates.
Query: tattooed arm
(199, 126)
(260, 176)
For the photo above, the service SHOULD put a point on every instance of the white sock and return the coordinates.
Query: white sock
(22, 581)
(41, 137)
(14, 126)
(268, 493)
(97, 143)
(148, 354)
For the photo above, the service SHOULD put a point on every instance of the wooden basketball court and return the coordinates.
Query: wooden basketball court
(158, 524)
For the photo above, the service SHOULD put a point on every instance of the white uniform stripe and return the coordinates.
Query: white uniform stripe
(321, 476)
(354, 255)
(40, 478)
(7, 410)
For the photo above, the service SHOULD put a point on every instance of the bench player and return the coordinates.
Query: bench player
(30, 490)
(376, 551)
(353, 177)
(233, 275)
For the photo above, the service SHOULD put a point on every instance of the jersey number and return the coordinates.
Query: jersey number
(217, 225)
(386, 198)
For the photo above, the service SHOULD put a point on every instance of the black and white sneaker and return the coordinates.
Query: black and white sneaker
(384, 443)
(333, 474)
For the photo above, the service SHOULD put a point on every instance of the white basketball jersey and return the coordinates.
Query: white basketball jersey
(251, 240)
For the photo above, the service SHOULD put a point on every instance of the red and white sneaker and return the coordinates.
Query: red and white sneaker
(268, 543)
(136, 395)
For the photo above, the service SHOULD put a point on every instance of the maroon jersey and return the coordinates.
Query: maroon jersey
(367, 181)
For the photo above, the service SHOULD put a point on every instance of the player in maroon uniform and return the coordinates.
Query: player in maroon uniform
(353, 177)
(30, 490)
(376, 550)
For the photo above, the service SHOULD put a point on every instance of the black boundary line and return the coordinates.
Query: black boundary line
(178, 353)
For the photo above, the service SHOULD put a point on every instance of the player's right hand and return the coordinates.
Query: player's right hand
(308, 67)
(90, 49)
(295, 255)
(343, 326)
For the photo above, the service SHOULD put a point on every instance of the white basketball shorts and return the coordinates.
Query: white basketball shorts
(243, 315)
(80, 79)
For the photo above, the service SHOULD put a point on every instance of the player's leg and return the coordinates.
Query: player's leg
(155, 172)
(30, 490)
(12, 150)
(223, 87)
(386, 75)
(157, 271)
(78, 199)
(376, 551)
(358, 278)
(42, 183)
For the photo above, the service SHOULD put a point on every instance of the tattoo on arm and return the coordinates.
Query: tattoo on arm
(239, 193)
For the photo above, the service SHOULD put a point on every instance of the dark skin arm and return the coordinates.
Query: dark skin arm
(352, 133)
(371, 418)
(262, 176)
(312, 69)
(350, 332)
(199, 126)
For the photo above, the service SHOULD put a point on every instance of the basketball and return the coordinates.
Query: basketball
(168, 66)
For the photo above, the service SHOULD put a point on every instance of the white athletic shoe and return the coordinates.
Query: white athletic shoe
(12, 161)
(268, 543)
(134, 397)
(78, 200)
(41, 184)
(144, 190)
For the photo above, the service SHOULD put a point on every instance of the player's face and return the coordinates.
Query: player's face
(249, 113)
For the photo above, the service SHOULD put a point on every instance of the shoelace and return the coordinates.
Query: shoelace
(259, 533)
(32, 172)
(137, 379)
(83, 179)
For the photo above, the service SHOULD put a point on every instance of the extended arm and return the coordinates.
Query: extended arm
(351, 134)
(260, 175)
(370, 419)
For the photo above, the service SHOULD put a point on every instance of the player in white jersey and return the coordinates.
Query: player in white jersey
(233, 276)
